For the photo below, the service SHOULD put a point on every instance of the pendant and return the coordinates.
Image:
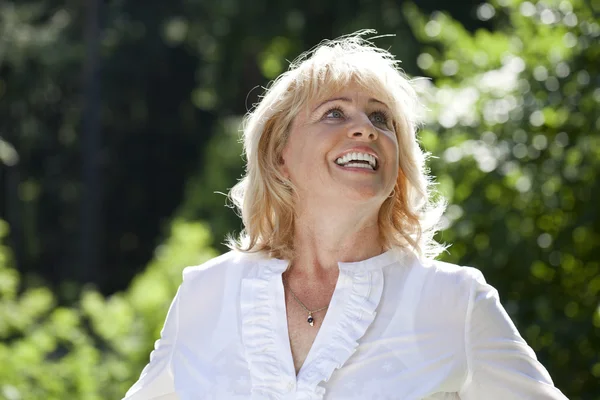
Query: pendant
(310, 319)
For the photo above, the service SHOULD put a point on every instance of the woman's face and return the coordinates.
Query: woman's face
(332, 145)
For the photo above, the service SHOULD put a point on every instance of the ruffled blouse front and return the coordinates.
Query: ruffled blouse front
(265, 330)
(395, 329)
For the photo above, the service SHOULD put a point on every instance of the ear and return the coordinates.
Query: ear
(282, 166)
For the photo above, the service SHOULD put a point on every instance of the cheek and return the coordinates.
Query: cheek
(293, 148)
(298, 155)
(392, 148)
(308, 149)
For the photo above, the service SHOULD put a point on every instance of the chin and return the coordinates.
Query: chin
(361, 194)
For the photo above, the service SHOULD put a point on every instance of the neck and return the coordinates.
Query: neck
(328, 235)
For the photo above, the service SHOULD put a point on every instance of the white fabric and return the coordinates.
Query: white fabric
(395, 329)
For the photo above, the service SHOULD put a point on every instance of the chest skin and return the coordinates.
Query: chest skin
(301, 334)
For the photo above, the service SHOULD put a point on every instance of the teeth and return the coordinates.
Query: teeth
(359, 165)
(358, 157)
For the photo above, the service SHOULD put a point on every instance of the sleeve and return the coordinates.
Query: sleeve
(501, 366)
(156, 379)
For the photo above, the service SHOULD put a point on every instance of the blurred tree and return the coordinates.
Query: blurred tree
(151, 136)
(515, 120)
(167, 72)
(96, 348)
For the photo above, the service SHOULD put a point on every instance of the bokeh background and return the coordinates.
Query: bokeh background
(119, 134)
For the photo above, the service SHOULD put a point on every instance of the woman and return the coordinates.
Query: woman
(332, 291)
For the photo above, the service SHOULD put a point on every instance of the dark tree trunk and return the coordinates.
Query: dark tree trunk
(89, 259)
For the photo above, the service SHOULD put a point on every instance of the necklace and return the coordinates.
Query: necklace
(310, 318)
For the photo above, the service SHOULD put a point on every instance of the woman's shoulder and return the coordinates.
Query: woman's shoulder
(448, 280)
(212, 265)
(215, 281)
(224, 267)
(435, 296)
(450, 271)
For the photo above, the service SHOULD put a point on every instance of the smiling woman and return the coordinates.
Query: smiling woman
(332, 290)
(336, 87)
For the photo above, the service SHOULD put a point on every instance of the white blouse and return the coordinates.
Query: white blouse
(395, 329)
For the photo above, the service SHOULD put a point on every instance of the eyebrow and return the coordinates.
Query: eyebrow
(347, 100)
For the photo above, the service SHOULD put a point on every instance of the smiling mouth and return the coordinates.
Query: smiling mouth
(359, 165)
(358, 160)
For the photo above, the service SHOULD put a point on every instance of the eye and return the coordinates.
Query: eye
(380, 118)
(334, 113)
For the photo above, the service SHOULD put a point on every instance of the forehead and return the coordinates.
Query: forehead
(350, 92)
(347, 97)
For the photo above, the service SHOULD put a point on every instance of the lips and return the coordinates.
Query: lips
(360, 157)
(361, 160)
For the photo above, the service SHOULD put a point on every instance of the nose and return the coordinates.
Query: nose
(363, 130)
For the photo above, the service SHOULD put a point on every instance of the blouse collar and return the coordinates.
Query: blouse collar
(373, 263)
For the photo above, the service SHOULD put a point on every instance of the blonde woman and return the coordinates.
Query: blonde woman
(332, 291)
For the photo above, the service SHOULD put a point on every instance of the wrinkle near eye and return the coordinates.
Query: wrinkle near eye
(383, 115)
(334, 110)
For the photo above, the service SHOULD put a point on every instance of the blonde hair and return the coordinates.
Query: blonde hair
(265, 199)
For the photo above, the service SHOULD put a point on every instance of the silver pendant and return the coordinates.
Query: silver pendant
(310, 319)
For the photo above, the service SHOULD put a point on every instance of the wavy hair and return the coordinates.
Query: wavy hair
(265, 199)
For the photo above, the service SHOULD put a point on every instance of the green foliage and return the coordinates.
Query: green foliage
(206, 192)
(97, 348)
(147, 117)
(515, 122)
